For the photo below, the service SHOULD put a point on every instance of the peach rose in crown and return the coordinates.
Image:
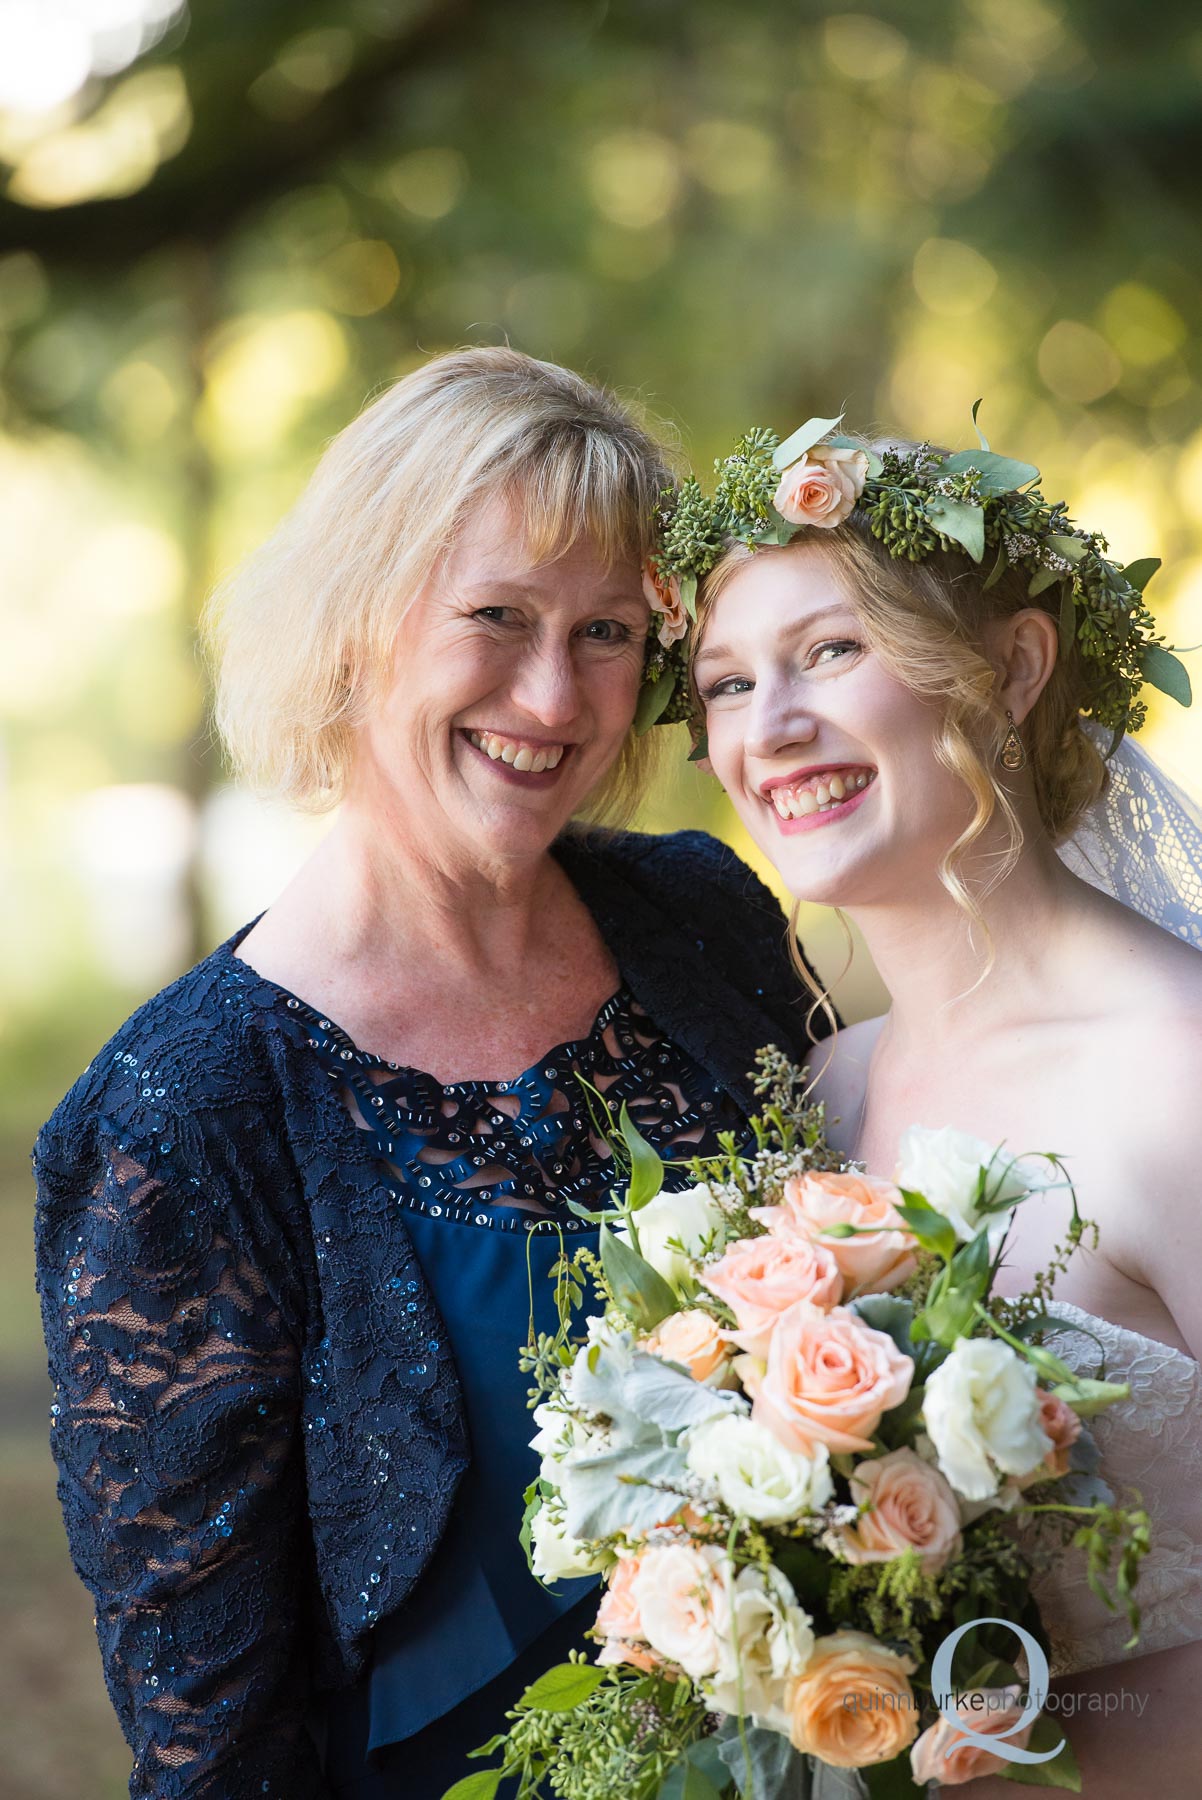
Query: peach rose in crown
(945, 1755)
(854, 1705)
(870, 1264)
(663, 596)
(823, 487)
(695, 1340)
(909, 1506)
(828, 1380)
(760, 1278)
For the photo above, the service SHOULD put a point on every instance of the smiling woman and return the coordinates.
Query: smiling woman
(289, 1217)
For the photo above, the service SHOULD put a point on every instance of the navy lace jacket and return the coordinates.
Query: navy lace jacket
(205, 1304)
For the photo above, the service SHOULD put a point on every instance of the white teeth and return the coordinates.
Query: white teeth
(805, 802)
(517, 755)
(796, 803)
(494, 748)
(836, 787)
(822, 793)
(554, 757)
(524, 758)
(508, 753)
(538, 762)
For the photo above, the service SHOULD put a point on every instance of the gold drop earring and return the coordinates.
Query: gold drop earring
(1012, 756)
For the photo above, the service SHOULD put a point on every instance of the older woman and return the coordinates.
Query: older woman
(285, 1216)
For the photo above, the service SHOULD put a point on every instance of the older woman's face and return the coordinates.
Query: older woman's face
(514, 688)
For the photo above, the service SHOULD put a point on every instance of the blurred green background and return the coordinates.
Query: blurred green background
(221, 230)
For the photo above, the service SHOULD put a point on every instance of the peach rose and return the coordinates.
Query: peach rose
(760, 1278)
(910, 1507)
(618, 1620)
(945, 1755)
(829, 1379)
(682, 1594)
(1062, 1425)
(823, 487)
(854, 1705)
(872, 1264)
(663, 596)
(695, 1340)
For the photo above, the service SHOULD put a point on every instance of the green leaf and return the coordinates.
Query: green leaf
(563, 1688)
(699, 1775)
(995, 574)
(954, 1300)
(688, 595)
(1162, 670)
(630, 1490)
(1139, 574)
(1068, 619)
(885, 1312)
(999, 474)
(701, 748)
(932, 1230)
(961, 521)
(1072, 549)
(533, 1498)
(1060, 1772)
(1043, 578)
(653, 701)
(892, 1780)
(1087, 1397)
(481, 1785)
(646, 1167)
(981, 438)
(803, 439)
(640, 1291)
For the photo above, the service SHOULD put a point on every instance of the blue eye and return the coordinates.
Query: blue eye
(731, 685)
(615, 631)
(839, 646)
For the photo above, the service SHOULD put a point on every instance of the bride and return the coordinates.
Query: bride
(894, 656)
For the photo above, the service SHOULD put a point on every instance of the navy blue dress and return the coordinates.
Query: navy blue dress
(488, 1170)
(281, 1375)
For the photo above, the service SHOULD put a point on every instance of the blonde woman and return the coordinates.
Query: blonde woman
(892, 670)
(286, 1216)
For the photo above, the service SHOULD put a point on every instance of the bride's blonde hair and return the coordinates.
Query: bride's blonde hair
(926, 622)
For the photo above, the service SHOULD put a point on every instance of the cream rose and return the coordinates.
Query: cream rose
(554, 1555)
(982, 1414)
(767, 1644)
(756, 1475)
(823, 487)
(692, 1338)
(681, 1592)
(854, 1705)
(945, 1168)
(663, 597)
(871, 1264)
(760, 1278)
(675, 1230)
(945, 1755)
(908, 1506)
(829, 1379)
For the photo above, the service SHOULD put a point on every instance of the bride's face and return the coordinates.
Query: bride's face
(828, 758)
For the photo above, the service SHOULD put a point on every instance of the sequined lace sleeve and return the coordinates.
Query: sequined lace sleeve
(174, 1432)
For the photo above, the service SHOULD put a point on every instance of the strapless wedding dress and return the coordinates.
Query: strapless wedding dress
(1151, 1442)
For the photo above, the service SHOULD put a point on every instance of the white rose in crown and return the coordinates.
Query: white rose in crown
(945, 1168)
(756, 1475)
(767, 1642)
(982, 1413)
(676, 1230)
(554, 1555)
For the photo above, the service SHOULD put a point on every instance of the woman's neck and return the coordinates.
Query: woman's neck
(931, 957)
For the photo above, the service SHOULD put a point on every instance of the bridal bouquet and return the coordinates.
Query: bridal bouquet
(795, 1438)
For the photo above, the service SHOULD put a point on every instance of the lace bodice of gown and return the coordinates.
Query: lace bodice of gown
(1151, 1442)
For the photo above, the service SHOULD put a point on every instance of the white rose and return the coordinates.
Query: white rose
(560, 1440)
(982, 1412)
(945, 1168)
(682, 1595)
(675, 1230)
(757, 1476)
(557, 1557)
(767, 1643)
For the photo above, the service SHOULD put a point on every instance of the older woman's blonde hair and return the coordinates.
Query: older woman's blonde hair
(302, 635)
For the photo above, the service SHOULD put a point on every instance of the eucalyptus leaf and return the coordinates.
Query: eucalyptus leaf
(1162, 670)
(701, 748)
(563, 1688)
(1139, 574)
(688, 595)
(803, 439)
(604, 1495)
(981, 438)
(1072, 549)
(661, 1394)
(653, 700)
(646, 1167)
(1042, 578)
(999, 474)
(640, 1291)
(700, 1774)
(885, 1312)
(764, 1764)
(961, 521)
(995, 574)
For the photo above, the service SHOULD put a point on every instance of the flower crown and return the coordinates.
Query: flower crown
(915, 501)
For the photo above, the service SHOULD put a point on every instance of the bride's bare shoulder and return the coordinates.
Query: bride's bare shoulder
(839, 1070)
